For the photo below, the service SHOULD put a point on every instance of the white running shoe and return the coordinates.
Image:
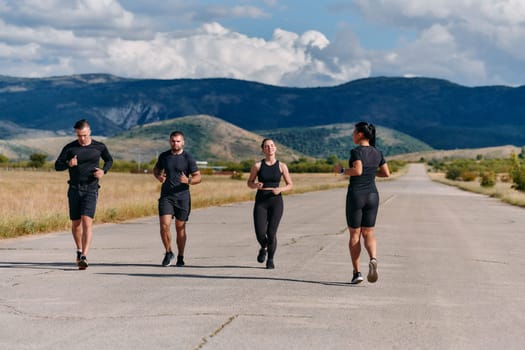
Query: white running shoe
(372, 271)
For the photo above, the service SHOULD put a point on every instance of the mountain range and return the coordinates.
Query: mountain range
(440, 113)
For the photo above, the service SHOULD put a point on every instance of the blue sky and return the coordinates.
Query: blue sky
(278, 42)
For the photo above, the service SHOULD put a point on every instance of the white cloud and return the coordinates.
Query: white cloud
(42, 35)
(270, 2)
(23, 52)
(214, 51)
(78, 14)
(469, 42)
(475, 42)
(434, 53)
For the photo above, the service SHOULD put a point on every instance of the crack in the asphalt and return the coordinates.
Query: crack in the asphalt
(295, 240)
(204, 340)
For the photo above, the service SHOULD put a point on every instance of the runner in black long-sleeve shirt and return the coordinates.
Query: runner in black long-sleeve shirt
(82, 158)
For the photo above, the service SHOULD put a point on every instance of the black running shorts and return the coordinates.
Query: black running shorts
(361, 209)
(82, 202)
(177, 207)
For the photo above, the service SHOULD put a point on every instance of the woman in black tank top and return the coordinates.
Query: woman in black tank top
(268, 208)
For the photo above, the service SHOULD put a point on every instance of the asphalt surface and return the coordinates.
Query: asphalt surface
(451, 276)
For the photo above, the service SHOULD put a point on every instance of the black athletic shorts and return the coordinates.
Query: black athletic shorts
(178, 207)
(82, 201)
(361, 209)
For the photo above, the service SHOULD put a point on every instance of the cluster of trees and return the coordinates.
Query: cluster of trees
(487, 171)
(302, 165)
(36, 160)
(40, 161)
(305, 165)
(300, 139)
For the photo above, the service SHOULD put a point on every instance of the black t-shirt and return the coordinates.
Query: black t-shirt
(88, 159)
(372, 159)
(174, 165)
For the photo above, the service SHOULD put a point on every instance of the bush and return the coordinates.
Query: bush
(436, 165)
(206, 171)
(237, 175)
(37, 160)
(395, 165)
(468, 175)
(453, 174)
(504, 178)
(518, 177)
(487, 179)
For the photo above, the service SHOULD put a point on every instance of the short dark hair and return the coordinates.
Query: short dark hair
(176, 133)
(81, 124)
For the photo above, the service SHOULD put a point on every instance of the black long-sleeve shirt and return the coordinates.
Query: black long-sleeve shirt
(88, 158)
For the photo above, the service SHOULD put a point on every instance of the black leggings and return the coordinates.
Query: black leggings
(267, 213)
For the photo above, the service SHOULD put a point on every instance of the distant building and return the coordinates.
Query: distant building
(202, 164)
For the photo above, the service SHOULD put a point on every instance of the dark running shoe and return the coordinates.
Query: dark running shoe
(269, 264)
(167, 258)
(357, 278)
(372, 271)
(79, 254)
(180, 261)
(262, 255)
(83, 263)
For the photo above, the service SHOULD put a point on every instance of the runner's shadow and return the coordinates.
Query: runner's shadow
(68, 266)
(222, 277)
(220, 267)
(65, 266)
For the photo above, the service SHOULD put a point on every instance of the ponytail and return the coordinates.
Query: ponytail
(368, 130)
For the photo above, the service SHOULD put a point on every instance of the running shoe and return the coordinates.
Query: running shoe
(180, 260)
(357, 278)
(262, 255)
(167, 258)
(79, 254)
(269, 264)
(372, 271)
(83, 263)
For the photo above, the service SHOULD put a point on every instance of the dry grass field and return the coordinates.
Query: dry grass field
(502, 190)
(36, 201)
(487, 153)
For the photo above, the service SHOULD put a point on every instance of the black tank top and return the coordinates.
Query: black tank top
(269, 175)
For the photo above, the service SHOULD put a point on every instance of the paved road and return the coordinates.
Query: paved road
(452, 276)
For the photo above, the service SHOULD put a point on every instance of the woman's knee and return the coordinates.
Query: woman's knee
(355, 235)
(367, 232)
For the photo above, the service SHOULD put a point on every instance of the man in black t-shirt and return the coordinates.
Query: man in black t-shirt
(81, 158)
(176, 169)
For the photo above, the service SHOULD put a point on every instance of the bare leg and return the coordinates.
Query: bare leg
(76, 229)
(87, 233)
(370, 245)
(180, 226)
(355, 247)
(165, 235)
(370, 241)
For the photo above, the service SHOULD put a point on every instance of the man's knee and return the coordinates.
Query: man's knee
(164, 228)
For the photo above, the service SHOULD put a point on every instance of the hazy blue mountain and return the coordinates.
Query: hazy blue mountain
(440, 113)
